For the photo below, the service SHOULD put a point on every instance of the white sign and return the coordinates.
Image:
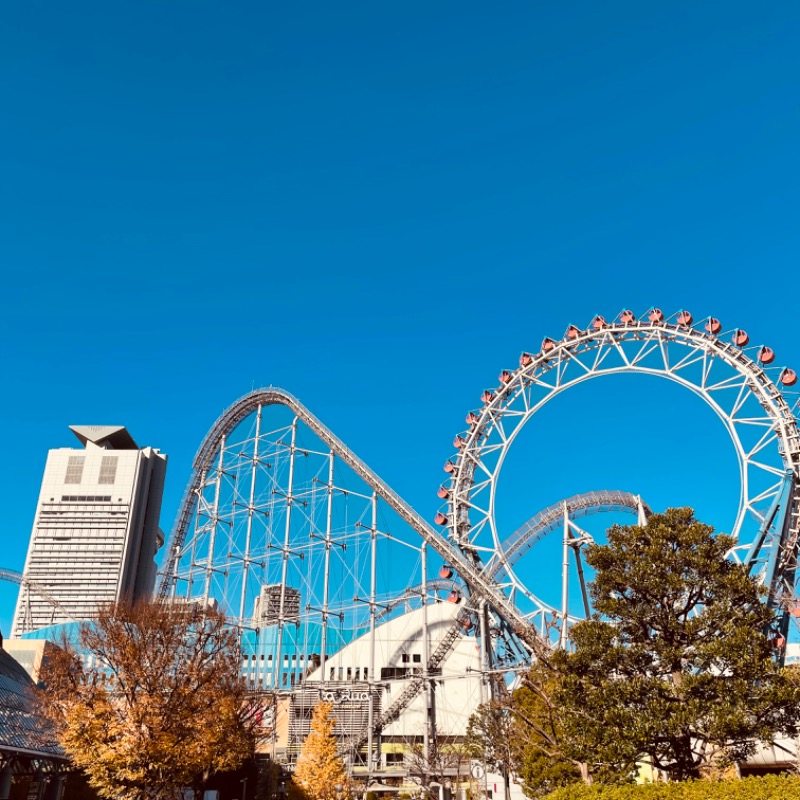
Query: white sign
(337, 696)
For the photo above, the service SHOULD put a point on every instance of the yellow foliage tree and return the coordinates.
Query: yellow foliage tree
(158, 705)
(319, 769)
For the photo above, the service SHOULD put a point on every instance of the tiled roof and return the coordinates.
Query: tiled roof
(21, 729)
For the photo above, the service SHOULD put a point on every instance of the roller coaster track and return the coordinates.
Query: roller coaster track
(552, 517)
(18, 578)
(545, 521)
(480, 585)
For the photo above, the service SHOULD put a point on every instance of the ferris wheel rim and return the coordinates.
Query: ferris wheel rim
(736, 441)
(468, 464)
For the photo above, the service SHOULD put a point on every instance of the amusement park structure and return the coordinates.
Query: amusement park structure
(34, 587)
(741, 382)
(343, 591)
(316, 558)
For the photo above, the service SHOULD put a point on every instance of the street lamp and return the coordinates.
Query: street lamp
(338, 788)
(243, 781)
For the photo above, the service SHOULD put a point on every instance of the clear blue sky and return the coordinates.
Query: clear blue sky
(377, 206)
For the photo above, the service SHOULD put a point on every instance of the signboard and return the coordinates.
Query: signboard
(337, 696)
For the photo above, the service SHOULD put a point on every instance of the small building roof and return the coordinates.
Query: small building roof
(22, 730)
(115, 437)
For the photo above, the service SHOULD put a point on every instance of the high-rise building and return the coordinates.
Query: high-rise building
(267, 609)
(95, 534)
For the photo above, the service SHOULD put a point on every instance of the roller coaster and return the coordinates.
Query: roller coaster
(312, 555)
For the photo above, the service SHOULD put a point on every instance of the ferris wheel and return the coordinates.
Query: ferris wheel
(742, 382)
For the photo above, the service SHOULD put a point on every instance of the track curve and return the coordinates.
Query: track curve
(480, 585)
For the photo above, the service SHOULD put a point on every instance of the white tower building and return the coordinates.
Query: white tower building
(95, 534)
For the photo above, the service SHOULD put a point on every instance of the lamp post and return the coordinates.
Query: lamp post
(338, 788)
(243, 781)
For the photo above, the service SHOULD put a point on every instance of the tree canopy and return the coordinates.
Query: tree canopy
(319, 769)
(154, 701)
(674, 666)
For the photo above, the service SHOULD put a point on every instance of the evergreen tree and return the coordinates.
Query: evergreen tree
(675, 666)
(537, 734)
(319, 769)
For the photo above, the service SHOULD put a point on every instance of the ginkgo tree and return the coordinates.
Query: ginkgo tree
(153, 703)
(319, 770)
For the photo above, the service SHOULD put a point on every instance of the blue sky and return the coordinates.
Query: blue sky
(378, 206)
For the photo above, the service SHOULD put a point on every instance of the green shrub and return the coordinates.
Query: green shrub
(770, 787)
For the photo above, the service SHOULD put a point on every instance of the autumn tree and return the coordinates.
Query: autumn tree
(319, 770)
(675, 666)
(153, 700)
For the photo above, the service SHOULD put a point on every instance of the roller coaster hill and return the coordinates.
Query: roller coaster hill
(343, 592)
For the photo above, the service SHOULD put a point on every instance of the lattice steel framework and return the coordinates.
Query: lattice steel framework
(286, 529)
(306, 549)
(738, 380)
(237, 462)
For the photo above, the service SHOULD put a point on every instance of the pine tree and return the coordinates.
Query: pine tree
(678, 668)
(319, 769)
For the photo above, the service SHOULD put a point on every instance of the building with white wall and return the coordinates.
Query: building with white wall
(95, 534)
(365, 678)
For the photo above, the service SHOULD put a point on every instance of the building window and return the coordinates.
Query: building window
(108, 469)
(74, 469)
(404, 658)
(394, 758)
(417, 658)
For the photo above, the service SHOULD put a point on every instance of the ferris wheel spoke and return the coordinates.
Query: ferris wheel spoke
(487, 448)
(620, 350)
(707, 366)
(732, 382)
(475, 507)
(690, 359)
(726, 376)
(513, 413)
(762, 497)
(648, 347)
(604, 349)
(577, 358)
(766, 468)
(479, 486)
(758, 422)
(769, 438)
(538, 382)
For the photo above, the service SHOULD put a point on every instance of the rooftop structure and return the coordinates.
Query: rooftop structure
(26, 742)
(95, 533)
